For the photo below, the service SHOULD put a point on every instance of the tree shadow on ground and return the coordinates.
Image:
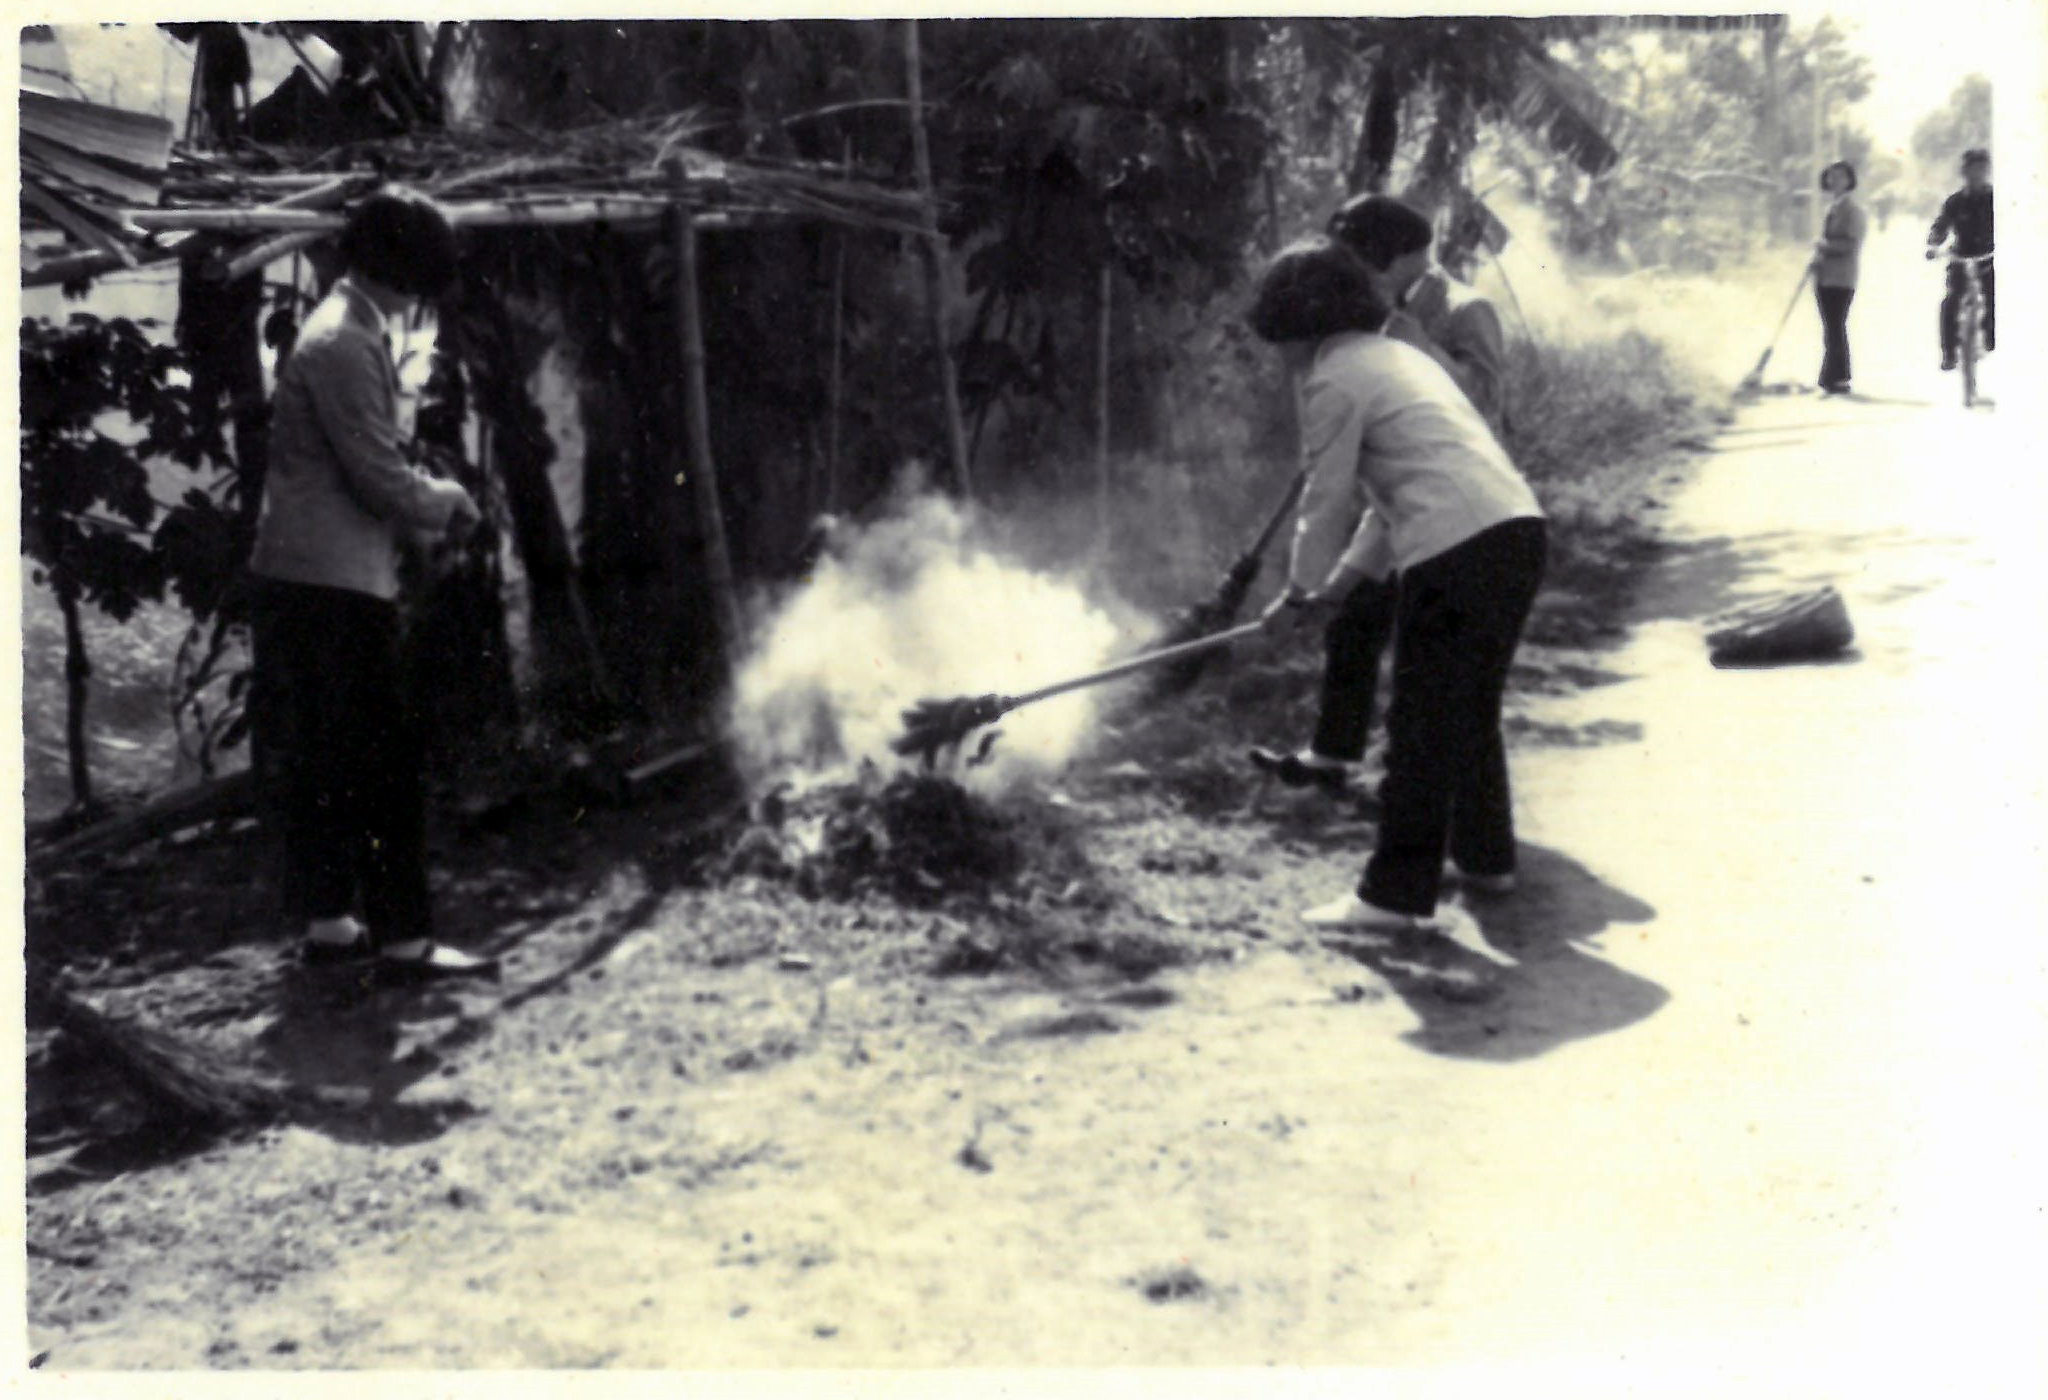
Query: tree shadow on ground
(340, 1048)
(1529, 987)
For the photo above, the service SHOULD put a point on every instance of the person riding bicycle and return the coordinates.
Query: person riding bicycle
(1966, 215)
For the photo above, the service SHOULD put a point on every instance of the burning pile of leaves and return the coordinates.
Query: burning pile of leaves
(1010, 879)
(919, 838)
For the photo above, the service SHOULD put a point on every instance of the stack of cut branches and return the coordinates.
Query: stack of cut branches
(614, 172)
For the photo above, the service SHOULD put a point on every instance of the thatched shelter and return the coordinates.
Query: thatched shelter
(637, 281)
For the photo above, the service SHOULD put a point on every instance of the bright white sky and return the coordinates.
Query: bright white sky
(1920, 53)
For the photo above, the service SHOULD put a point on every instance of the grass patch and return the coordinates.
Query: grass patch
(1589, 419)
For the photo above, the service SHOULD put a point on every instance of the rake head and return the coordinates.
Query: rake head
(931, 726)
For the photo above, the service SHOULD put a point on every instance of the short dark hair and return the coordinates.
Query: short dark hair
(1976, 155)
(1844, 167)
(400, 239)
(1312, 289)
(1380, 228)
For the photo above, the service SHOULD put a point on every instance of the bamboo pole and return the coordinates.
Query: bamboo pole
(934, 247)
(273, 218)
(1516, 301)
(693, 455)
(322, 196)
(1102, 407)
(265, 253)
(836, 366)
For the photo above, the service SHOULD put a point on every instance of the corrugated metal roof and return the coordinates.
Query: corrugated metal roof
(82, 161)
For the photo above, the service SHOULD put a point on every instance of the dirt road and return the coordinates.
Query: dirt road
(1738, 1087)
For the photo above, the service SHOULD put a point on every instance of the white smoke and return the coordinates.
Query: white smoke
(911, 607)
(1714, 324)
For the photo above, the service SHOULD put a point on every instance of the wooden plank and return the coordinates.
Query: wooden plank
(231, 796)
(111, 180)
(76, 266)
(74, 222)
(135, 137)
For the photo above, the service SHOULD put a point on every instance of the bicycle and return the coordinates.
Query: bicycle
(1969, 321)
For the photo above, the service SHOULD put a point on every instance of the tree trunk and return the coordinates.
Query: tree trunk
(456, 648)
(442, 61)
(1774, 135)
(219, 328)
(693, 454)
(571, 678)
(77, 679)
(935, 282)
(1820, 122)
(835, 377)
(1372, 164)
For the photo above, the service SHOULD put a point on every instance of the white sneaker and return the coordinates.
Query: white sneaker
(1354, 914)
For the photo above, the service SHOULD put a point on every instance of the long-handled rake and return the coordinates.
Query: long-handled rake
(1755, 378)
(931, 726)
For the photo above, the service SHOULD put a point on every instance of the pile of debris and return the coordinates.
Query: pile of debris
(919, 838)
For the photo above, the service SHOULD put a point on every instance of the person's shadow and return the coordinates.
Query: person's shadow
(337, 1034)
(1510, 980)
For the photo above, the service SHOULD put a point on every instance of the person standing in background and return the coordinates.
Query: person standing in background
(1967, 215)
(340, 501)
(1837, 256)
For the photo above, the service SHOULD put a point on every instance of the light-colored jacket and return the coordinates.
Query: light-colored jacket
(339, 497)
(1385, 427)
(1839, 256)
(1461, 330)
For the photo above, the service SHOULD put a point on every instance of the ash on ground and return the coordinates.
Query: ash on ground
(1010, 878)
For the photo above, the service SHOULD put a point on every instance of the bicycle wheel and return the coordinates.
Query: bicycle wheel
(1968, 333)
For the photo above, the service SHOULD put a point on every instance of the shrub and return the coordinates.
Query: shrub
(1586, 417)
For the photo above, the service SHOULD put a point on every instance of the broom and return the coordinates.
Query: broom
(1755, 378)
(184, 1087)
(1220, 609)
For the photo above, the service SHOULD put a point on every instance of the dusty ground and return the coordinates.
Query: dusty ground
(1720, 1088)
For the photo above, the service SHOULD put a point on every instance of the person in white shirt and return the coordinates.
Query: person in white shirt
(1399, 459)
(1395, 241)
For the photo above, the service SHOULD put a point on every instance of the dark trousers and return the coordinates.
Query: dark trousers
(1952, 304)
(1834, 334)
(1352, 646)
(1459, 621)
(344, 752)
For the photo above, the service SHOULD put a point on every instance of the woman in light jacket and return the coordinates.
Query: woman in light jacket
(1400, 461)
(339, 501)
(1836, 256)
